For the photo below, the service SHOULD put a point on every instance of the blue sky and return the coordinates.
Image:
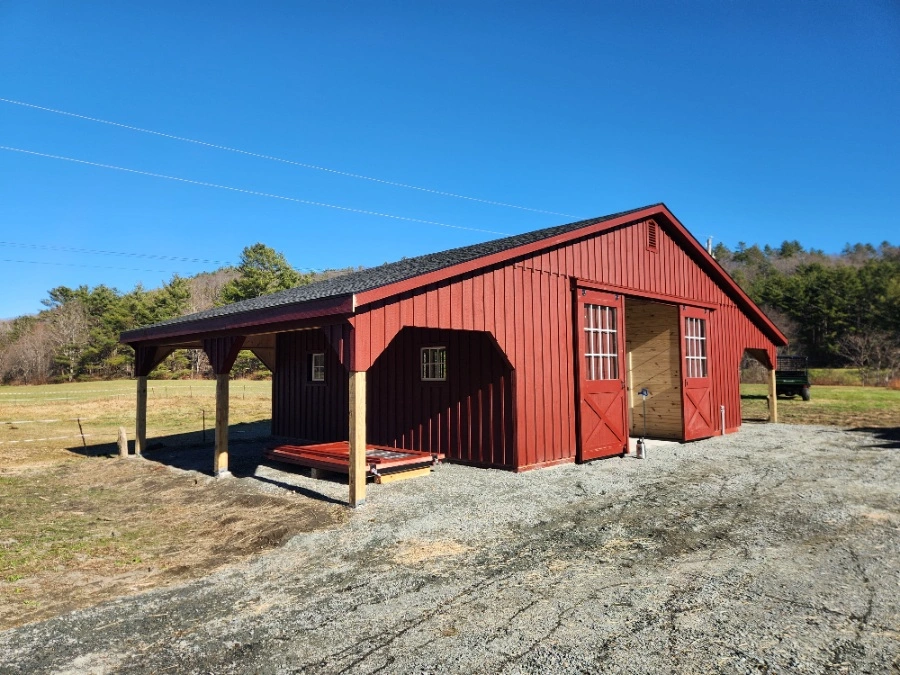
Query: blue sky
(752, 121)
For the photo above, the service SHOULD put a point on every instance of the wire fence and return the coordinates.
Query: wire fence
(127, 390)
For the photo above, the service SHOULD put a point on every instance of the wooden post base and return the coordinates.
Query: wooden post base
(357, 478)
(220, 459)
(773, 397)
(140, 431)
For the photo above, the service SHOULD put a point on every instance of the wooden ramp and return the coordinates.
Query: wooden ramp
(384, 463)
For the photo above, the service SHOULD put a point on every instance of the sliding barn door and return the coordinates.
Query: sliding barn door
(699, 420)
(603, 418)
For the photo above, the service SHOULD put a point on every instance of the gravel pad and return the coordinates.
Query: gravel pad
(776, 549)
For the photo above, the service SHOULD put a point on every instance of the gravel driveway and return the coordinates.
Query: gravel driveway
(773, 550)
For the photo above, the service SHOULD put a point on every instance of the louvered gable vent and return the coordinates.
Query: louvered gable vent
(651, 235)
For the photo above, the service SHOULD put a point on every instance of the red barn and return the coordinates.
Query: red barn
(517, 353)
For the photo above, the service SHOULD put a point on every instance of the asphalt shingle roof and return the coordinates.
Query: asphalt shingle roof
(375, 277)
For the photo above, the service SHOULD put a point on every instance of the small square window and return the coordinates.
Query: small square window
(434, 364)
(317, 367)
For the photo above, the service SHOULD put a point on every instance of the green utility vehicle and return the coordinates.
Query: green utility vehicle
(792, 377)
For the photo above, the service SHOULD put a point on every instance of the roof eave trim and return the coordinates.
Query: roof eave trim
(254, 321)
(397, 287)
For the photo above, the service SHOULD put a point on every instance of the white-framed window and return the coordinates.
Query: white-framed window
(601, 343)
(695, 347)
(317, 367)
(434, 364)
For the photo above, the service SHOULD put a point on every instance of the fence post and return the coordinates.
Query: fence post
(123, 442)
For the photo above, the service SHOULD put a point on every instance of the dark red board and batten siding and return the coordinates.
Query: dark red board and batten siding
(465, 416)
(313, 411)
(526, 305)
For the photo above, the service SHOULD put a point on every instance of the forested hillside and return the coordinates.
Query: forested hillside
(77, 336)
(840, 310)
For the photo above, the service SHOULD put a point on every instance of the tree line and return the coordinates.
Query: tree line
(839, 310)
(76, 335)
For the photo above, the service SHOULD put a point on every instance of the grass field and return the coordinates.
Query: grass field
(864, 407)
(50, 422)
(78, 526)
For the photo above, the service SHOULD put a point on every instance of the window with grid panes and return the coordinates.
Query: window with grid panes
(434, 363)
(695, 347)
(317, 367)
(601, 343)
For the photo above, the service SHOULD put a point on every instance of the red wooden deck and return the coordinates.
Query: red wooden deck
(336, 457)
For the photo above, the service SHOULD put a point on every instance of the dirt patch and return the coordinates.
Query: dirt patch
(418, 551)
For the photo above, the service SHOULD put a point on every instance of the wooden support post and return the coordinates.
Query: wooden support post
(357, 438)
(773, 398)
(220, 461)
(140, 430)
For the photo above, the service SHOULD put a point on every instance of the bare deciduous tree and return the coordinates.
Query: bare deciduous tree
(207, 287)
(29, 358)
(789, 327)
(875, 353)
(71, 329)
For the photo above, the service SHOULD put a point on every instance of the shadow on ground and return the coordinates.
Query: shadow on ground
(193, 451)
(754, 408)
(888, 437)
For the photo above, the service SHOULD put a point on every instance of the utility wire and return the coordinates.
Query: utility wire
(248, 192)
(126, 269)
(95, 267)
(348, 174)
(66, 249)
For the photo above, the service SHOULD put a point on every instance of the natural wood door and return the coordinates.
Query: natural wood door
(653, 353)
(602, 419)
(699, 421)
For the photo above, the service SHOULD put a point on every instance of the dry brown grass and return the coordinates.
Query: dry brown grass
(78, 526)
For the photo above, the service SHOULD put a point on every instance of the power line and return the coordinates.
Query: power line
(66, 249)
(249, 192)
(95, 267)
(126, 269)
(348, 174)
